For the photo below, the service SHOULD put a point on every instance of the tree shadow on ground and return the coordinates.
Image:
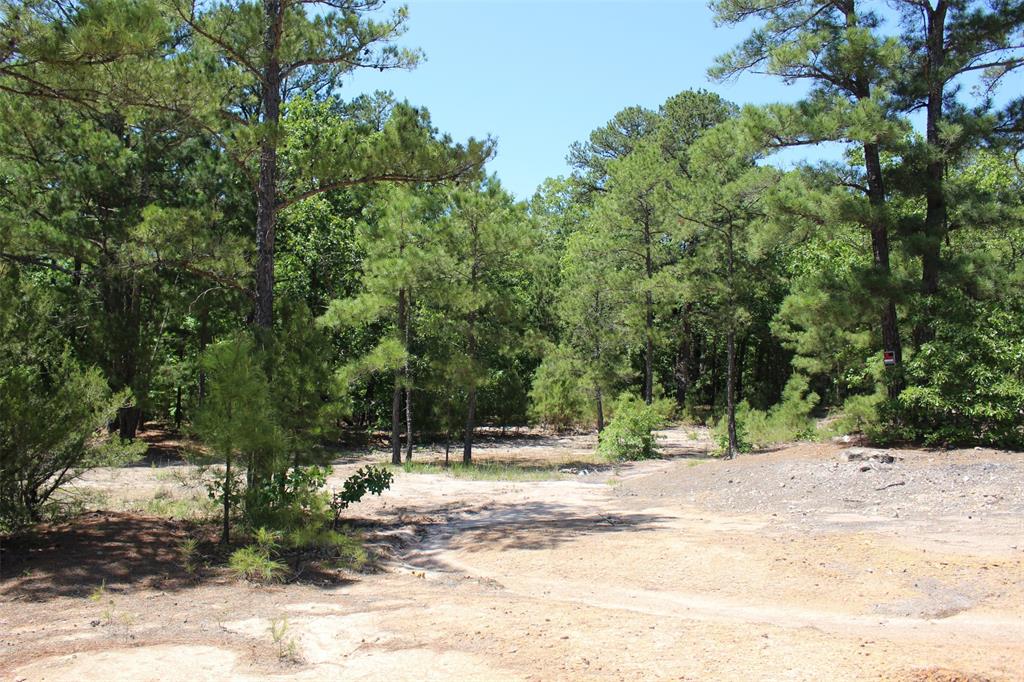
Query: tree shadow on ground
(119, 552)
(116, 550)
(531, 525)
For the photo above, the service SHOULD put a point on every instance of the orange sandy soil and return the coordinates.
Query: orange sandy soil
(641, 571)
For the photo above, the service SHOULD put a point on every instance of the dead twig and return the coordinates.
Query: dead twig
(892, 485)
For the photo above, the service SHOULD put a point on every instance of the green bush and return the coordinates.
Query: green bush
(557, 396)
(53, 411)
(967, 385)
(788, 420)
(745, 416)
(630, 434)
(295, 497)
(858, 414)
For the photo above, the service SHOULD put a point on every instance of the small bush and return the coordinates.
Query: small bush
(786, 421)
(859, 414)
(53, 410)
(291, 499)
(254, 563)
(189, 549)
(745, 416)
(630, 434)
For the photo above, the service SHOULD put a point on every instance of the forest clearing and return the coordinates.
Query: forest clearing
(793, 562)
(512, 340)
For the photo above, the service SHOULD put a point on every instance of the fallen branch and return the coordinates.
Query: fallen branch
(892, 485)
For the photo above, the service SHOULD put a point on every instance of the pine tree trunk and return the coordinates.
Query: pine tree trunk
(600, 409)
(177, 408)
(467, 444)
(225, 531)
(880, 254)
(880, 237)
(396, 394)
(730, 393)
(934, 177)
(204, 339)
(396, 421)
(648, 317)
(408, 423)
(408, 385)
(474, 274)
(730, 353)
(266, 191)
(741, 354)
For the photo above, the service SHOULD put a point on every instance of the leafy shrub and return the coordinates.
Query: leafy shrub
(630, 434)
(53, 411)
(745, 415)
(289, 499)
(967, 385)
(368, 479)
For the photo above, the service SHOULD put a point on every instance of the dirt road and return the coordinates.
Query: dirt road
(791, 565)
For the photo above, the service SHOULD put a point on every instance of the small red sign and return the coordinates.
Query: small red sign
(889, 357)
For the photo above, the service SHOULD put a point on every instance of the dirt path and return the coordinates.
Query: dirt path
(658, 570)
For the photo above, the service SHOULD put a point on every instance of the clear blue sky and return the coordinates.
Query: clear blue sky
(541, 74)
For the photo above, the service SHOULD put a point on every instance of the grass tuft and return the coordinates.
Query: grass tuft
(488, 471)
(253, 563)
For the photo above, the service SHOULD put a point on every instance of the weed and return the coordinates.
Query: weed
(188, 550)
(99, 592)
(287, 647)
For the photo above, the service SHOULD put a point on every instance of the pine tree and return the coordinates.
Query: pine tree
(282, 51)
(836, 47)
(946, 41)
(722, 215)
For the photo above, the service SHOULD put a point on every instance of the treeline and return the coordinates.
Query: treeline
(188, 205)
(883, 290)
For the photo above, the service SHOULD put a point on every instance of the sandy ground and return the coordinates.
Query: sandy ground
(789, 565)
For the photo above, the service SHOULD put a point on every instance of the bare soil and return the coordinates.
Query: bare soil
(794, 564)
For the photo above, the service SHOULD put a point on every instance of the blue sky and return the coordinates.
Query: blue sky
(541, 74)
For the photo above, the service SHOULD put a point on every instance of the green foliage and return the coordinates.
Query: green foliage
(237, 418)
(967, 385)
(629, 435)
(858, 414)
(367, 479)
(53, 411)
(720, 429)
(254, 563)
(341, 547)
(290, 499)
(558, 397)
(788, 420)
